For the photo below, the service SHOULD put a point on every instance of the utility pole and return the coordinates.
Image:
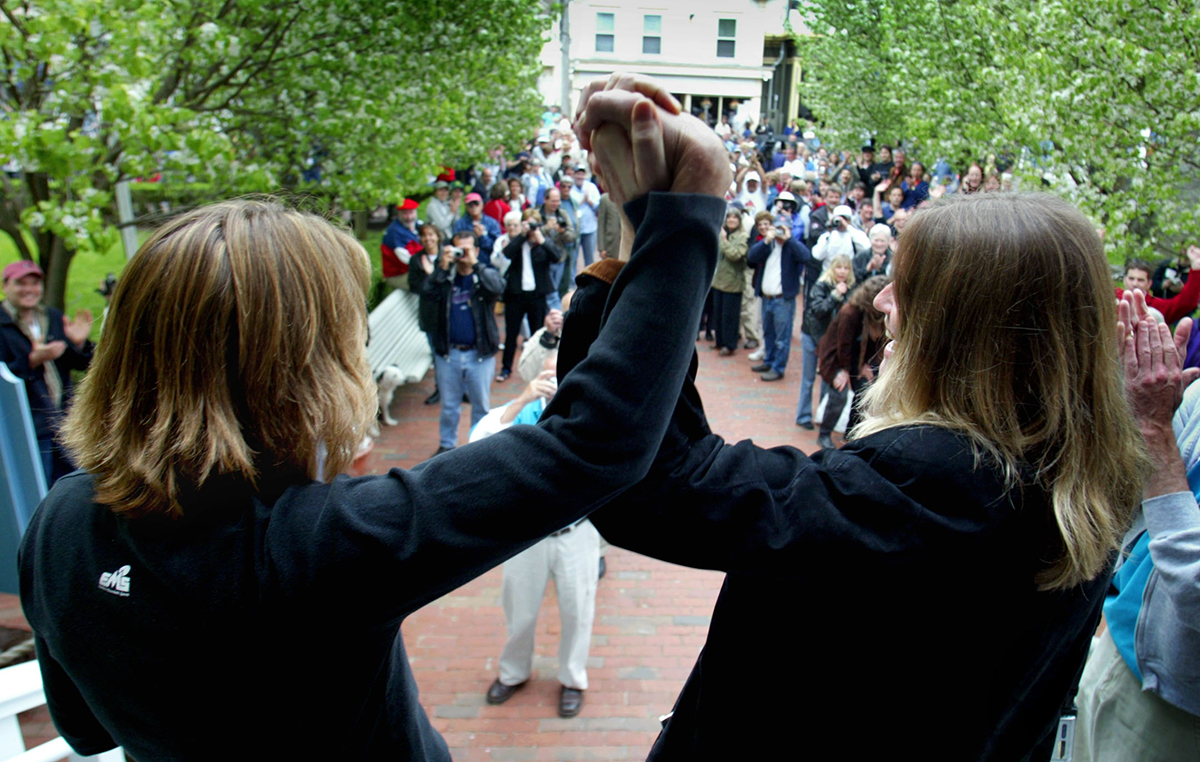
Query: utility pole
(564, 37)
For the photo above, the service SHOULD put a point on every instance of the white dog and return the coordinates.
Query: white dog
(388, 380)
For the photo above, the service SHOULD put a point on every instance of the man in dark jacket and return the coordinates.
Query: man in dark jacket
(527, 285)
(778, 260)
(465, 338)
(41, 347)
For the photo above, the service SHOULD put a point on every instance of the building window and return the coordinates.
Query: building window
(652, 35)
(605, 26)
(726, 38)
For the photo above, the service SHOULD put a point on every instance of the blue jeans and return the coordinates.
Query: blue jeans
(463, 371)
(808, 346)
(777, 315)
(587, 242)
(554, 299)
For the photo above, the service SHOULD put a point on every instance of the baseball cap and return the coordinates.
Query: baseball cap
(20, 269)
(843, 211)
(407, 204)
(473, 197)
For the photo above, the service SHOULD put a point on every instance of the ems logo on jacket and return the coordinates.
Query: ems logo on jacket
(116, 582)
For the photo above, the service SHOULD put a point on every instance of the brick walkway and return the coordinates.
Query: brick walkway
(651, 617)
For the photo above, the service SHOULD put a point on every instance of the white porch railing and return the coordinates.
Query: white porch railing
(21, 689)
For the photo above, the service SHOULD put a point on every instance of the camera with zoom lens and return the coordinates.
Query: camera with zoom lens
(533, 225)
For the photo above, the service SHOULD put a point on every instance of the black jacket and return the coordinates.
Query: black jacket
(156, 670)
(820, 306)
(427, 307)
(541, 256)
(879, 600)
(487, 287)
(14, 352)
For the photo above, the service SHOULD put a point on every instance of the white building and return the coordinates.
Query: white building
(708, 53)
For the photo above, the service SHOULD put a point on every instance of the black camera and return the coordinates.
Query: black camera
(533, 225)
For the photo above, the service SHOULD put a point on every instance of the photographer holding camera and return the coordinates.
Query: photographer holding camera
(465, 337)
(528, 282)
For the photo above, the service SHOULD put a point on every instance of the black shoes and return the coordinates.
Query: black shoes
(570, 702)
(434, 398)
(825, 442)
(762, 367)
(771, 375)
(807, 426)
(499, 692)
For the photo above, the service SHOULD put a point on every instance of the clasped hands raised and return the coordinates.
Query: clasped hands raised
(639, 141)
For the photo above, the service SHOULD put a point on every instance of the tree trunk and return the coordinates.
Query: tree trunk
(59, 264)
(360, 223)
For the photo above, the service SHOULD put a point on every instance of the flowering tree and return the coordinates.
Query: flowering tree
(244, 95)
(1097, 101)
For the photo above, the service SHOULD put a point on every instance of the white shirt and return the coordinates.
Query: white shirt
(527, 282)
(833, 242)
(772, 282)
(754, 201)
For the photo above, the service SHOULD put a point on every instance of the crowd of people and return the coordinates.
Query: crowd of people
(996, 465)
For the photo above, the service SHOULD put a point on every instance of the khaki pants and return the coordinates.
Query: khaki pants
(751, 311)
(1119, 722)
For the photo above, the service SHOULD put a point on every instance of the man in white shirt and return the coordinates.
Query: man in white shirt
(841, 237)
(570, 555)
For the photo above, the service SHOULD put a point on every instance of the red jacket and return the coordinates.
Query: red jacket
(1177, 307)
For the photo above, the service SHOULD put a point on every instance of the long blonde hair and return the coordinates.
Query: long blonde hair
(1006, 332)
(827, 274)
(234, 347)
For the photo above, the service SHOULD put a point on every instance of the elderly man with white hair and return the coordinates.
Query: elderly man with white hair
(877, 260)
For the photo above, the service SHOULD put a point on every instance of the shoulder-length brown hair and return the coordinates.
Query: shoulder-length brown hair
(234, 347)
(1007, 332)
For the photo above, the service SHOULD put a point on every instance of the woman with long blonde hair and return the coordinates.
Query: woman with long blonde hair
(173, 582)
(931, 588)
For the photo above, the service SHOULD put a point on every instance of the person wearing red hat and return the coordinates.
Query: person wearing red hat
(486, 229)
(41, 347)
(400, 240)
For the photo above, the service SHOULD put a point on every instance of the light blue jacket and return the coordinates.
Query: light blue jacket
(1166, 640)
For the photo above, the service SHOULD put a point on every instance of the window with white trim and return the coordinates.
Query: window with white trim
(606, 24)
(726, 38)
(652, 35)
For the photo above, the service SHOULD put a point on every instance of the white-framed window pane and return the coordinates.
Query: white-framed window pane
(604, 43)
(652, 25)
(725, 49)
(652, 45)
(727, 28)
(605, 23)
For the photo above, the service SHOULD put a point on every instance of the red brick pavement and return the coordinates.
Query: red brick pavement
(651, 617)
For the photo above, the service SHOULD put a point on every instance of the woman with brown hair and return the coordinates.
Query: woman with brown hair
(172, 584)
(931, 588)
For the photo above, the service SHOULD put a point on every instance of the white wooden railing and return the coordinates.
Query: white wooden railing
(20, 690)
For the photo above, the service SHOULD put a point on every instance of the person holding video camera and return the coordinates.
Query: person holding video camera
(528, 283)
(465, 338)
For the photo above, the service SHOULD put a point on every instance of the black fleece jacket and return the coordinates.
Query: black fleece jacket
(157, 634)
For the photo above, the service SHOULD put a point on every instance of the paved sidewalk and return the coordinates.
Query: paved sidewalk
(651, 617)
